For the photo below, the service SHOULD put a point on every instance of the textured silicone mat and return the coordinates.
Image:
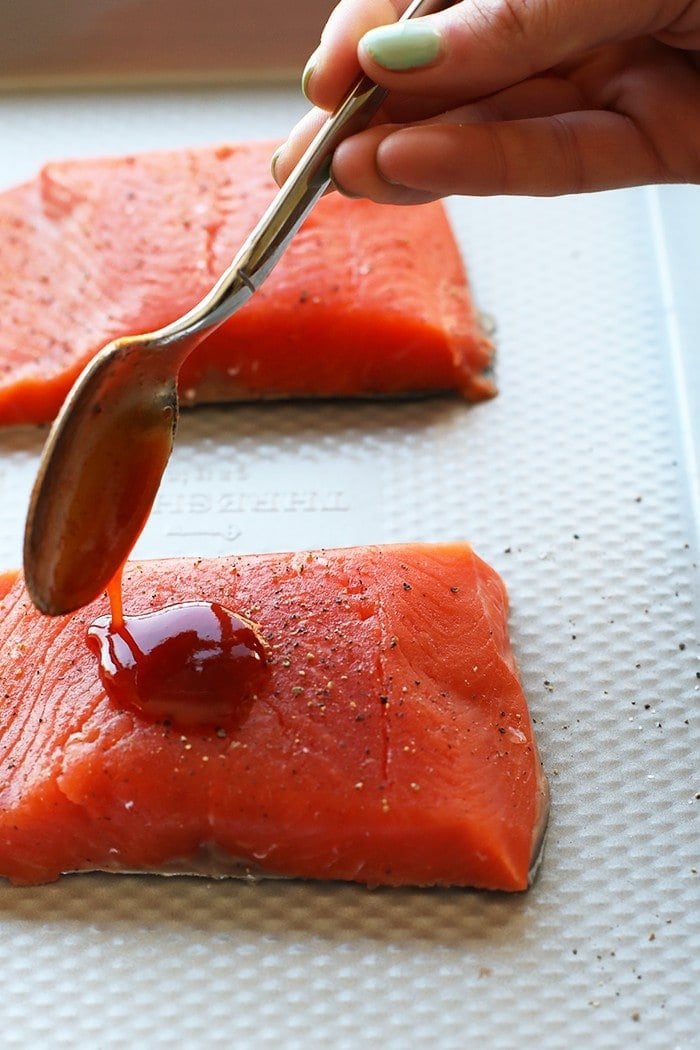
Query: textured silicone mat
(575, 483)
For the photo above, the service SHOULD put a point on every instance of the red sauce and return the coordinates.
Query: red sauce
(193, 663)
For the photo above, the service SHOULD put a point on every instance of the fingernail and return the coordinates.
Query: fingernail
(274, 161)
(308, 73)
(406, 45)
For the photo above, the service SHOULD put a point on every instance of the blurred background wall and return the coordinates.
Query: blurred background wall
(83, 42)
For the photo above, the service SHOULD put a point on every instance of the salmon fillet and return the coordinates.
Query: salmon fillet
(369, 300)
(392, 744)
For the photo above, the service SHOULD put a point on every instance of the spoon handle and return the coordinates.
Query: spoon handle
(308, 181)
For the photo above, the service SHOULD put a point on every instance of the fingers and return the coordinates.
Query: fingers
(541, 96)
(291, 151)
(443, 129)
(566, 153)
(334, 65)
(287, 156)
(479, 48)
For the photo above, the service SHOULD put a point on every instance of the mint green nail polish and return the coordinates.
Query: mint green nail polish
(406, 45)
(308, 73)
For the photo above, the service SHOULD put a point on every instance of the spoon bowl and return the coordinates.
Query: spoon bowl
(99, 474)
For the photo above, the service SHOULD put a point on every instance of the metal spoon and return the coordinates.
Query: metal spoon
(106, 452)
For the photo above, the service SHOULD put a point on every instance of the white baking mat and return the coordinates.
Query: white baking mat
(576, 483)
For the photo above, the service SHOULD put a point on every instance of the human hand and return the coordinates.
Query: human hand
(511, 96)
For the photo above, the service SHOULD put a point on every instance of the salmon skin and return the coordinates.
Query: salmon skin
(392, 744)
(369, 300)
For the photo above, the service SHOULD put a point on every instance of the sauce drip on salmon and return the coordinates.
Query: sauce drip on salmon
(192, 663)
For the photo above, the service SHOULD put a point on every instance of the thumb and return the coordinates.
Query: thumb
(473, 49)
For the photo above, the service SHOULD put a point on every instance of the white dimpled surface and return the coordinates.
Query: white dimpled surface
(574, 484)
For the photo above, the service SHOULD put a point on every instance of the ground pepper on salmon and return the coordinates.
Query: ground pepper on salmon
(368, 300)
(390, 743)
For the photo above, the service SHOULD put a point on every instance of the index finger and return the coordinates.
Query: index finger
(334, 65)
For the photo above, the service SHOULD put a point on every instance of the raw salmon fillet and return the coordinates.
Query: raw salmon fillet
(392, 746)
(369, 300)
